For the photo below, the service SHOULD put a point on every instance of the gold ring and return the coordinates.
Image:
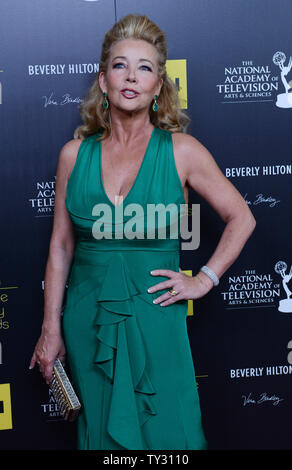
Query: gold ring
(173, 292)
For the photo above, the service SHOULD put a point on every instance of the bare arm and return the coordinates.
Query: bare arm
(61, 249)
(62, 243)
(200, 171)
(205, 177)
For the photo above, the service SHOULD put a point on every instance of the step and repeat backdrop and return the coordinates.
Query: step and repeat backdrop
(231, 61)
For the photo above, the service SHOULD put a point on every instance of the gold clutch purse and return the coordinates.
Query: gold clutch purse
(64, 393)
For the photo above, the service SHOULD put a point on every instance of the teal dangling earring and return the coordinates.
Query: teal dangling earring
(105, 102)
(155, 106)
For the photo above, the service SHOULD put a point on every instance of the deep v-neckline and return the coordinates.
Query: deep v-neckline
(136, 178)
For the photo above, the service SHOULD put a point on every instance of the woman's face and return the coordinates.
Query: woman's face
(132, 65)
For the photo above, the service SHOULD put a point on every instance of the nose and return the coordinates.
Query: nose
(131, 75)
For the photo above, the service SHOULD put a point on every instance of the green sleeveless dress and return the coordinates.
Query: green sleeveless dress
(130, 360)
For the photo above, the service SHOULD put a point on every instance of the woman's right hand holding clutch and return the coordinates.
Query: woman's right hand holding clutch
(49, 347)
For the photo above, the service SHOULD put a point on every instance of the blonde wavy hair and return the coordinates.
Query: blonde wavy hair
(169, 116)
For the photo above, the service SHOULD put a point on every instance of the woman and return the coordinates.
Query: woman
(131, 361)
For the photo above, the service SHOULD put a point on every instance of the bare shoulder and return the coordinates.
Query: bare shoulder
(191, 152)
(68, 155)
(63, 234)
(205, 177)
(193, 160)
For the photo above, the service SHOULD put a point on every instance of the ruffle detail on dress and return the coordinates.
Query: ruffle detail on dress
(122, 356)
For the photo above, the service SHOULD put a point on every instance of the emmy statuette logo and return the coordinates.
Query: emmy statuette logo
(285, 305)
(284, 100)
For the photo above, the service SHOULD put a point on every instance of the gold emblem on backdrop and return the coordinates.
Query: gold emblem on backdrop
(177, 72)
(188, 272)
(5, 407)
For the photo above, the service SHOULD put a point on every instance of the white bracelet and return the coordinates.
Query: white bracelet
(210, 274)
